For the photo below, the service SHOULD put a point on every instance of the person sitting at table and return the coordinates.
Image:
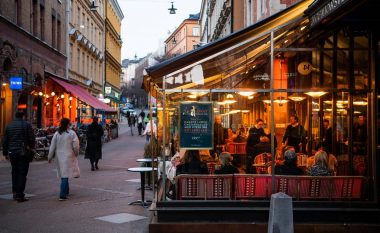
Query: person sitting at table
(240, 136)
(320, 168)
(262, 147)
(289, 167)
(192, 164)
(225, 159)
(331, 161)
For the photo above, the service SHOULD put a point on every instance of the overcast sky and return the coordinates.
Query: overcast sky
(146, 22)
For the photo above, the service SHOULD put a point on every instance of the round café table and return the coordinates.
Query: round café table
(142, 171)
(148, 161)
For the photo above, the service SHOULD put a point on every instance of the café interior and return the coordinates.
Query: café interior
(280, 67)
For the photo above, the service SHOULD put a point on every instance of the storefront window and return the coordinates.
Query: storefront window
(361, 68)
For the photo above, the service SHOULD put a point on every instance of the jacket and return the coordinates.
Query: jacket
(18, 133)
(94, 141)
(65, 148)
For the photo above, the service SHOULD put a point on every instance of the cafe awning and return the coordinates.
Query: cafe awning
(228, 56)
(84, 96)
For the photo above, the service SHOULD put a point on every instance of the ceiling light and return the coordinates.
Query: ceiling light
(316, 94)
(267, 101)
(250, 97)
(245, 110)
(246, 93)
(63, 96)
(360, 103)
(296, 97)
(40, 93)
(52, 93)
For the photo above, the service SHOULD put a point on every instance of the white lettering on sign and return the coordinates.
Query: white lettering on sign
(325, 11)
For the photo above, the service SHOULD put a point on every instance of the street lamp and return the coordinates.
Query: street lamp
(172, 9)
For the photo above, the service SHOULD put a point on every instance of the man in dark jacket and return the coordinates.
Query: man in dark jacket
(253, 138)
(17, 137)
(94, 143)
(294, 134)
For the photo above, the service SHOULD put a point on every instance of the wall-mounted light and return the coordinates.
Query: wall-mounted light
(52, 93)
(40, 93)
(70, 98)
(62, 96)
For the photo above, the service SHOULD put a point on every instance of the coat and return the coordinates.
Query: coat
(94, 141)
(65, 148)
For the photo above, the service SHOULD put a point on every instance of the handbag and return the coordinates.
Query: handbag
(76, 170)
(26, 151)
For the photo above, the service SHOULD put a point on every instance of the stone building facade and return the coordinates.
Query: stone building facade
(32, 47)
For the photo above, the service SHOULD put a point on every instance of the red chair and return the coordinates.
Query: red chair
(261, 162)
(238, 148)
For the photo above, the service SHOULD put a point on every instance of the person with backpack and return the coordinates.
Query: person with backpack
(18, 141)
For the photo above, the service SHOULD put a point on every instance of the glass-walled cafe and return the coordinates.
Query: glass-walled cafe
(281, 69)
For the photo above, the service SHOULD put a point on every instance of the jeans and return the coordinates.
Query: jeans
(64, 188)
(20, 168)
(148, 137)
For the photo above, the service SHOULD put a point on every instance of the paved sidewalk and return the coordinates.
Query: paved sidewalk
(99, 200)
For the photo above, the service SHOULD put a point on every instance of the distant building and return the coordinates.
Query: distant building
(114, 16)
(185, 38)
(134, 75)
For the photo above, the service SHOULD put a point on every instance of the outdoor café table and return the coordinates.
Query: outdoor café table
(148, 161)
(142, 171)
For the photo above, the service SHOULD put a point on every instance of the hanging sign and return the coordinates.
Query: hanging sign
(107, 90)
(325, 11)
(196, 128)
(15, 83)
(304, 68)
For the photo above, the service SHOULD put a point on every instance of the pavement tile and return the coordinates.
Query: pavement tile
(10, 196)
(121, 218)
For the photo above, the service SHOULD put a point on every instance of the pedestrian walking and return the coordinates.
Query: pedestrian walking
(140, 124)
(18, 140)
(65, 148)
(94, 143)
(131, 123)
(148, 130)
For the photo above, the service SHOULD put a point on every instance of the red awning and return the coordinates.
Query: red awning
(84, 96)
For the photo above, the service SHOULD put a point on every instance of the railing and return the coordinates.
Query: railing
(254, 186)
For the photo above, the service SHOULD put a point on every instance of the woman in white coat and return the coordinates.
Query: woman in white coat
(65, 147)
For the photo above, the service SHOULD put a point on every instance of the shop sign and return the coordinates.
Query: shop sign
(304, 68)
(327, 9)
(15, 83)
(196, 127)
(107, 90)
(117, 95)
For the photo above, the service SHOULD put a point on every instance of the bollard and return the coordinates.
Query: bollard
(280, 214)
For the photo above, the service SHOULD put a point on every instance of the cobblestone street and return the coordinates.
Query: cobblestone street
(98, 200)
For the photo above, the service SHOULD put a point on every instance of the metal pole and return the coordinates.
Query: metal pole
(164, 139)
(151, 130)
(272, 106)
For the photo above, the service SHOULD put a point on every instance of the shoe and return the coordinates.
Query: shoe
(92, 169)
(63, 199)
(96, 167)
(24, 199)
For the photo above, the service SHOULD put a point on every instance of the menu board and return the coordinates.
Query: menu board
(196, 128)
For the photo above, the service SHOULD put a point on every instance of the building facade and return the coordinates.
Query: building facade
(32, 47)
(184, 38)
(220, 18)
(114, 16)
